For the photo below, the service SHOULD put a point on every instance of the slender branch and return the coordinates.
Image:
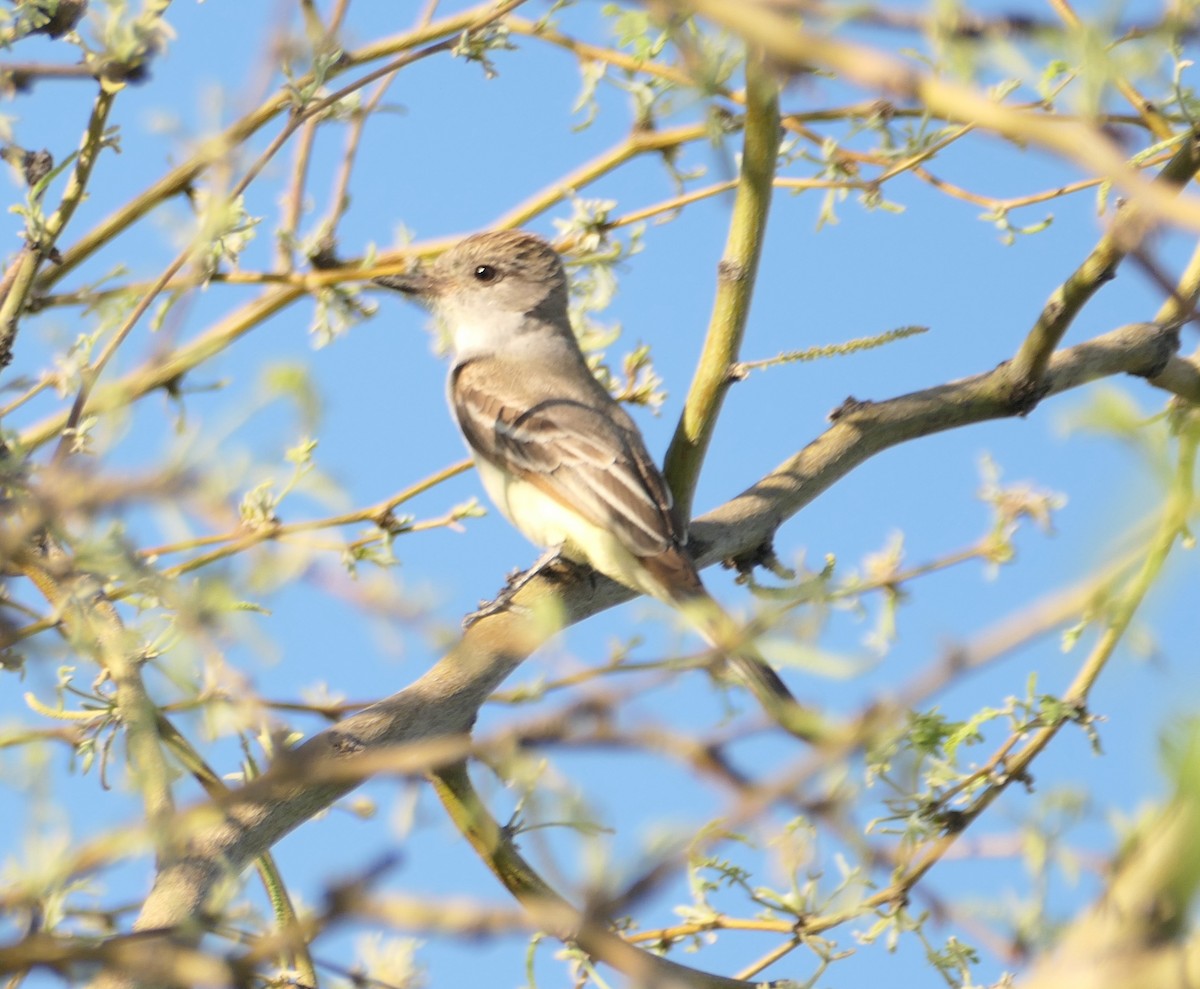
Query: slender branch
(168, 371)
(19, 283)
(639, 142)
(93, 620)
(585, 52)
(1125, 235)
(293, 201)
(178, 179)
(377, 513)
(553, 913)
(1153, 120)
(735, 286)
(240, 542)
(18, 75)
(1010, 203)
(339, 201)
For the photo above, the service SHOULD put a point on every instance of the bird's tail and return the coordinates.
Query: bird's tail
(721, 632)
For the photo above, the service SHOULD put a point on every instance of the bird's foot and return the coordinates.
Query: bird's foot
(549, 563)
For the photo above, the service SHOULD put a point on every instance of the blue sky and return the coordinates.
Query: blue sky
(457, 152)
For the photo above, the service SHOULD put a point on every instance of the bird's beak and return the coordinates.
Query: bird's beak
(416, 284)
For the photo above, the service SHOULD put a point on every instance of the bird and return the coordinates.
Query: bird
(556, 453)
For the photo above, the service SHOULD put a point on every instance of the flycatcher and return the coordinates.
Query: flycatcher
(559, 457)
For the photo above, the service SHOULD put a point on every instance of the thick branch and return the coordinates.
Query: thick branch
(444, 701)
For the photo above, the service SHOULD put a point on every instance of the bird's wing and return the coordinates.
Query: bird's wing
(580, 455)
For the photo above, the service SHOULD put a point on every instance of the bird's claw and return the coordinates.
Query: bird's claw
(515, 580)
(488, 608)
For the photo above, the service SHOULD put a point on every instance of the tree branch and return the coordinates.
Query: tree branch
(551, 912)
(795, 49)
(443, 702)
(735, 285)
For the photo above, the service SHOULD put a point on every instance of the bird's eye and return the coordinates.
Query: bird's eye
(486, 273)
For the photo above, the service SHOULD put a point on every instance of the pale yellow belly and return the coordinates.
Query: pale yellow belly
(547, 523)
